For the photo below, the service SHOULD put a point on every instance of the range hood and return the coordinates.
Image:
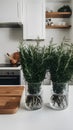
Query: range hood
(10, 25)
(11, 14)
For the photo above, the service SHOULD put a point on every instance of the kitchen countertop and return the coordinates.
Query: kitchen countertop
(42, 119)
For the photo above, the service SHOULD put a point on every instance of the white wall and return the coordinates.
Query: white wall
(9, 42)
(57, 34)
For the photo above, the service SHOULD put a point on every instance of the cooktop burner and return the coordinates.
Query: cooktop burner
(9, 65)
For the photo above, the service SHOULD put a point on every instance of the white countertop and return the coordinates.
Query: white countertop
(11, 68)
(42, 119)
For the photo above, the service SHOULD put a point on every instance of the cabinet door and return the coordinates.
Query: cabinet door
(9, 11)
(34, 19)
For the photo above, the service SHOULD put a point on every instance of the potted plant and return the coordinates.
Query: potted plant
(60, 65)
(32, 58)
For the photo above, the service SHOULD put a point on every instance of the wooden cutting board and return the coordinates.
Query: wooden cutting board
(10, 98)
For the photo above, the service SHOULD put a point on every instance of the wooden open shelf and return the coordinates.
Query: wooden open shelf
(58, 14)
(58, 26)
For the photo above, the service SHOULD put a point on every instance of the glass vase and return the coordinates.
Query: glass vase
(33, 96)
(59, 96)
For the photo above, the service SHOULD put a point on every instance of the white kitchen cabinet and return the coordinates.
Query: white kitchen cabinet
(34, 19)
(10, 11)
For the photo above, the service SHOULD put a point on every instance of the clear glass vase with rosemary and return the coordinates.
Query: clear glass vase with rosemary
(59, 96)
(32, 58)
(60, 65)
(33, 96)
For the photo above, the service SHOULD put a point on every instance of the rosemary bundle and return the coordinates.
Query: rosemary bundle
(60, 62)
(32, 58)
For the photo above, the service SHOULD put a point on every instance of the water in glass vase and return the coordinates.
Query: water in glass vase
(59, 96)
(33, 96)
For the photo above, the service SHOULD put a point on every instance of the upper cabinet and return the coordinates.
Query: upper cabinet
(34, 19)
(10, 11)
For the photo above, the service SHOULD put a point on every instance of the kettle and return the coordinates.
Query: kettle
(14, 58)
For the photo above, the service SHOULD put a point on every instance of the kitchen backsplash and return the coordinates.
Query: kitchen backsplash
(9, 42)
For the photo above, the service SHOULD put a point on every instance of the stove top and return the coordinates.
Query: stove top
(9, 65)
